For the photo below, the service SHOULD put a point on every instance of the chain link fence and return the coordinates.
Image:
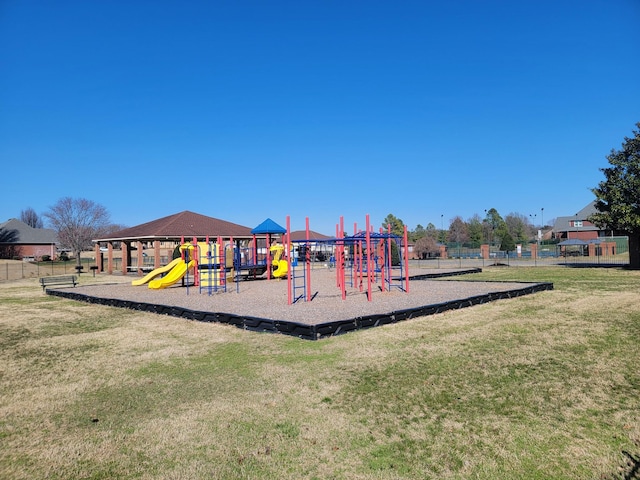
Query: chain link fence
(16, 270)
(457, 257)
(548, 254)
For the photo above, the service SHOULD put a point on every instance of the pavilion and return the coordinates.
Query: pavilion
(150, 245)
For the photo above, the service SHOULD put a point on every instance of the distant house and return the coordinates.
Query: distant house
(578, 227)
(19, 240)
(578, 236)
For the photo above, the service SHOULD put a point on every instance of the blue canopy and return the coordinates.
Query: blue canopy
(268, 226)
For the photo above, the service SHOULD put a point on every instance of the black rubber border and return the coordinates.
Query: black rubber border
(302, 330)
(427, 276)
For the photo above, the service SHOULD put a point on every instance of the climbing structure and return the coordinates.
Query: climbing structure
(362, 259)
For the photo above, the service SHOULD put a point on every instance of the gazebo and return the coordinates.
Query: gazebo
(267, 228)
(160, 237)
(567, 250)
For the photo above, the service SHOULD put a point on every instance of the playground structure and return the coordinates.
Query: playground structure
(362, 260)
(281, 264)
(154, 273)
(212, 265)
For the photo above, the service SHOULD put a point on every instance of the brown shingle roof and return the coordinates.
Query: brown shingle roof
(187, 224)
(302, 235)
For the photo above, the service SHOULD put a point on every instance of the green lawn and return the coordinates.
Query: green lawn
(545, 386)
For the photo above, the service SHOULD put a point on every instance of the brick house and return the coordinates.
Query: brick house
(577, 231)
(19, 240)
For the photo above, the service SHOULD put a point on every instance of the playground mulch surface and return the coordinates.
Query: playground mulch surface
(263, 305)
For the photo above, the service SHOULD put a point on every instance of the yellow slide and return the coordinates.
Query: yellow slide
(281, 271)
(154, 273)
(282, 266)
(176, 273)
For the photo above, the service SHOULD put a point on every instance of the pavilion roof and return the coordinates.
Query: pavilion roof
(298, 235)
(184, 224)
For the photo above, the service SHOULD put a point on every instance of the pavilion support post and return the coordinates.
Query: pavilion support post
(140, 255)
(126, 257)
(156, 254)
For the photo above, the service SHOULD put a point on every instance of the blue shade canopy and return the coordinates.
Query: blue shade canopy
(268, 226)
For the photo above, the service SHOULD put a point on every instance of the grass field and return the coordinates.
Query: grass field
(545, 386)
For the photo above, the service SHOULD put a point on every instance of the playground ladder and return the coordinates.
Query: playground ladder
(216, 269)
(298, 282)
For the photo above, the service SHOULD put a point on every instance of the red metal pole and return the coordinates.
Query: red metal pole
(224, 273)
(343, 287)
(389, 259)
(307, 260)
(382, 263)
(406, 259)
(336, 255)
(289, 294)
(268, 256)
(196, 277)
(220, 271)
(369, 272)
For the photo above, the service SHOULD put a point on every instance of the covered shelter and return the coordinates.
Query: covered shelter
(150, 245)
(266, 228)
(572, 247)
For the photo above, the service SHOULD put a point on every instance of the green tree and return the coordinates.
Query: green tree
(431, 231)
(518, 227)
(493, 222)
(443, 236)
(507, 244)
(419, 232)
(395, 254)
(475, 231)
(397, 225)
(618, 195)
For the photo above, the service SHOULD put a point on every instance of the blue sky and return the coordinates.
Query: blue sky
(244, 110)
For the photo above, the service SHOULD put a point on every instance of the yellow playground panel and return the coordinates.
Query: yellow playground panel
(215, 264)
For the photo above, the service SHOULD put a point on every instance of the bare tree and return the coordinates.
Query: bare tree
(107, 230)
(458, 231)
(31, 218)
(77, 221)
(426, 247)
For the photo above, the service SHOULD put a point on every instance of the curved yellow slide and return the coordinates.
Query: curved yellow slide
(176, 273)
(283, 267)
(154, 273)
